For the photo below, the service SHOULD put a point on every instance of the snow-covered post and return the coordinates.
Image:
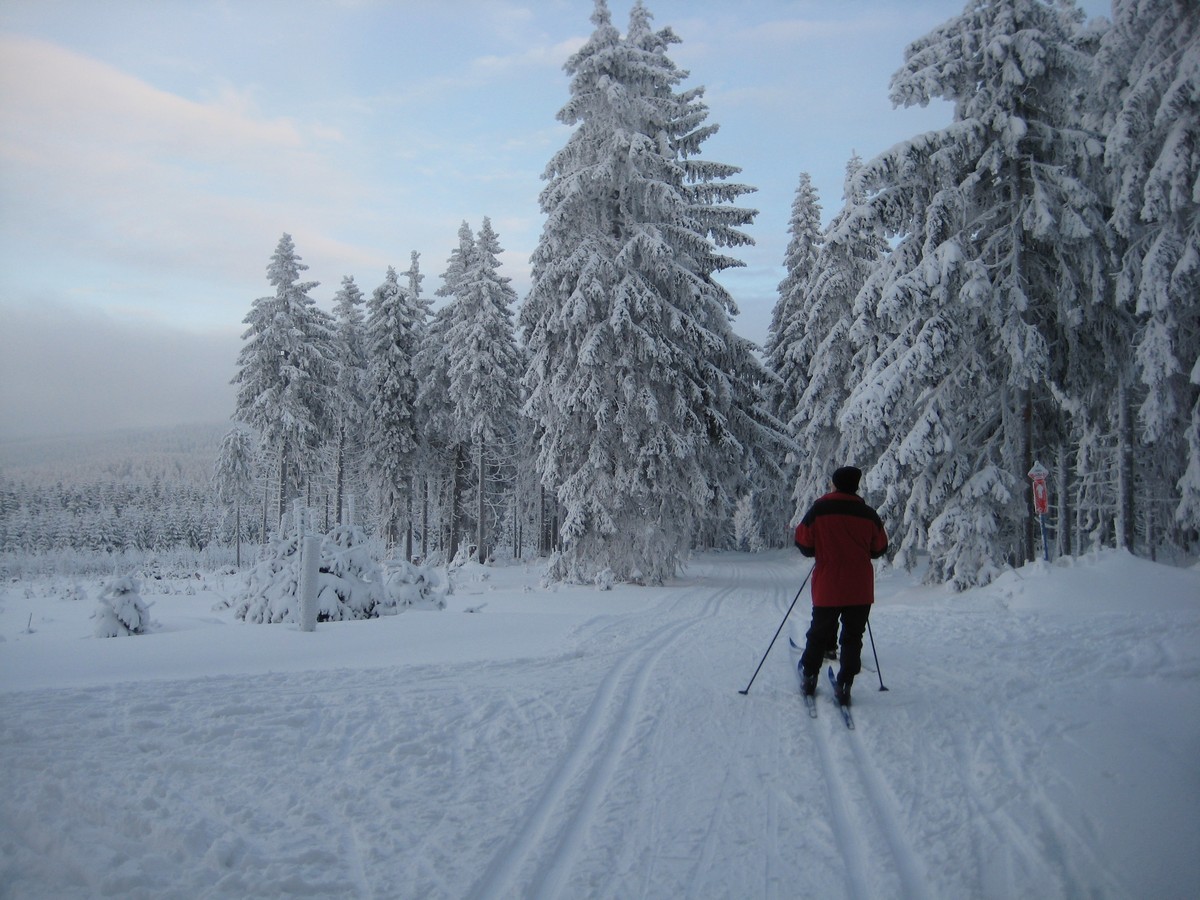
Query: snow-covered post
(310, 567)
(1041, 500)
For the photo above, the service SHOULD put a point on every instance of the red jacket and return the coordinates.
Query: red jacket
(844, 534)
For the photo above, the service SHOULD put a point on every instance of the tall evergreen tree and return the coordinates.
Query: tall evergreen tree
(395, 329)
(350, 394)
(421, 480)
(1150, 81)
(285, 373)
(484, 372)
(235, 476)
(786, 335)
(822, 347)
(748, 443)
(786, 331)
(449, 451)
(644, 398)
(978, 307)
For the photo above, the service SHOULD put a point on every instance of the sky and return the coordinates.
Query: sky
(152, 153)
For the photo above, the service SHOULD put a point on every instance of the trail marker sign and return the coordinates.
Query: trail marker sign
(1041, 500)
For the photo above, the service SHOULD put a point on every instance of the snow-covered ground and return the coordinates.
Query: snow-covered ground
(1040, 738)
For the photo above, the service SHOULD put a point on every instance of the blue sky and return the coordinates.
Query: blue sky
(153, 151)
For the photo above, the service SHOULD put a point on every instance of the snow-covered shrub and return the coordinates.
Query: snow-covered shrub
(465, 571)
(271, 588)
(121, 610)
(74, 591)
(352, 584)
(414, 587)
(604, 579)
(351, 580)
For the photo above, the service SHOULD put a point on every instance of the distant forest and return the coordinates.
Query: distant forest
(82, 503)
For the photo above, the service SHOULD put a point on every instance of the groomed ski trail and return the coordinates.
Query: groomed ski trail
(577, 787)
(864, 815)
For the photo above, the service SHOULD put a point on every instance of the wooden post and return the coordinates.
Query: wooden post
(310, 570)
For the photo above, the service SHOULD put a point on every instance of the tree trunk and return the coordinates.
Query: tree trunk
(282, 486)
(1125, 512)
(408, 520)
(479, 530)
(452, 541)
(543, 541)
(1065, 530)
(1026, 401)
(425, 519)
(516, 521)
(262, 535)
(340, 475)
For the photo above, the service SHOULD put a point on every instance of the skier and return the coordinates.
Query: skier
(844, 534)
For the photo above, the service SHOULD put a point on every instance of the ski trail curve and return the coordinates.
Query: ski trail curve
(592, 760)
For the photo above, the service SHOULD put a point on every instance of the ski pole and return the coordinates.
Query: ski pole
(876, 655)
(778, 630)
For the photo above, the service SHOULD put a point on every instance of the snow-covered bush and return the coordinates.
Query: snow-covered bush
(121, 610)
(604, 579)
(414, 587)
(352, 583)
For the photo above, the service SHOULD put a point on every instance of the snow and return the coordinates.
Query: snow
(1039, 738)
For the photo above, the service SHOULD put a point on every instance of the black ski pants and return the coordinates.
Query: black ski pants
(823, 636)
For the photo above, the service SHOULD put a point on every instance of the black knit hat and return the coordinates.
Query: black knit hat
(846, 479)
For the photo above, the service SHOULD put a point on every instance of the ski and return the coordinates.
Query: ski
(845, 710)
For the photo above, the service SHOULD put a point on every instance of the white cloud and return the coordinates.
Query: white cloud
(548, 56)
(109, 170)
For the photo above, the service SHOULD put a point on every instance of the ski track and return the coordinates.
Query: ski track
(855, 856)
(860, 802)
(593, 758)
(859, 805)
(911, 870)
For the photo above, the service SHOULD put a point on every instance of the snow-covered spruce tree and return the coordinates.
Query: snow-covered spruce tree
(350, 396)
(747, 443)
(1149, 66)
(823, 346)
(644, 400)
(394, 331)
(447, 460)
(786, 354)
(235, 476)
(120, 610)
(785, 337)
(421, 481)
(483, 376)
(285, 373)
(977, 308)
